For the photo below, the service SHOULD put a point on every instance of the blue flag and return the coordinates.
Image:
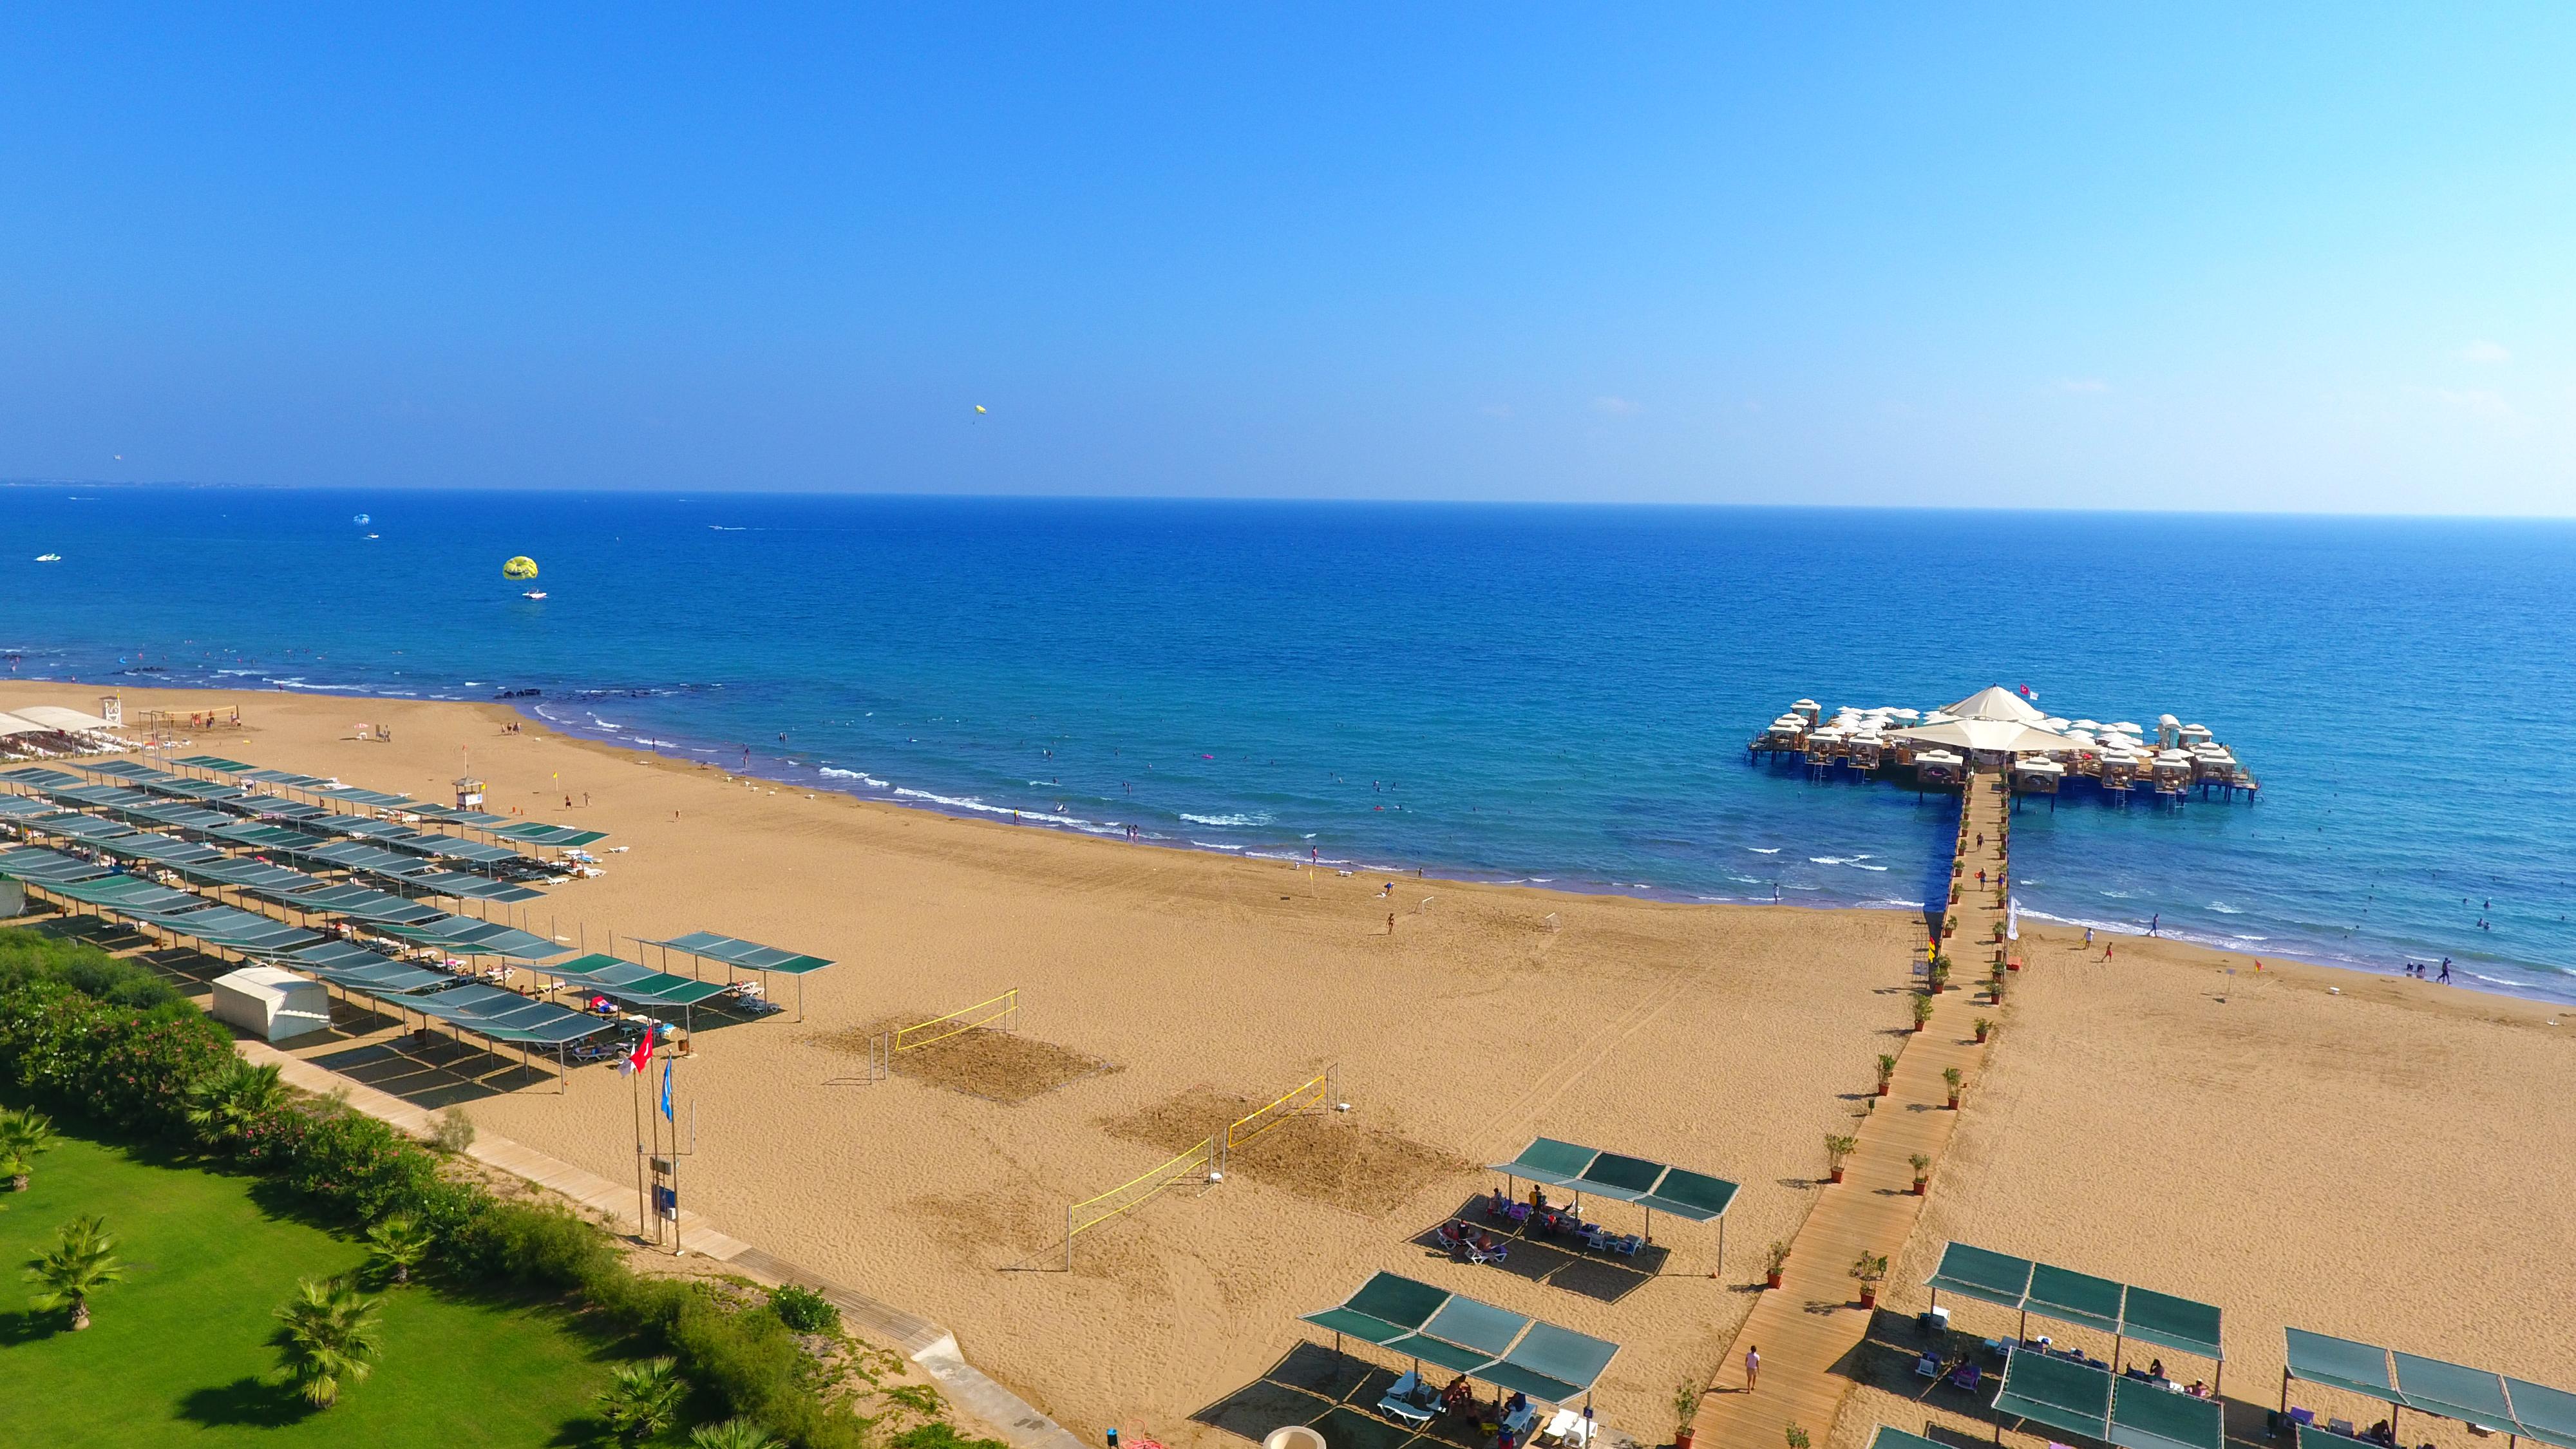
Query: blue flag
(666, 1092)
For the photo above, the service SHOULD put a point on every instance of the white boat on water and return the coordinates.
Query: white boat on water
(534, 594)
(49, 558)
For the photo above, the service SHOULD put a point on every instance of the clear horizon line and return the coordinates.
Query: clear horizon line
(1286, 498)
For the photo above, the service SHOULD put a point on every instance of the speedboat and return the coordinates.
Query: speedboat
(534, 594)
(49, 558)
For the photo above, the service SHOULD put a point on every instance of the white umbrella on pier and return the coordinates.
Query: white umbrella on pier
(1995, 702)
(1990, 736)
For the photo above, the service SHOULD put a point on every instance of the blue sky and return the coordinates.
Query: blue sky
(2311, 258)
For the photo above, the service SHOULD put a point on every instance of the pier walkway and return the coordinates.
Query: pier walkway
(1809, 1328)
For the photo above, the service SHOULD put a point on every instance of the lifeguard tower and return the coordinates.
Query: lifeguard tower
(469, 793)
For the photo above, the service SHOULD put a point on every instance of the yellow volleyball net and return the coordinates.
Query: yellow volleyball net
(1197, 1165)
(1001, 1013)
(1312, 1096)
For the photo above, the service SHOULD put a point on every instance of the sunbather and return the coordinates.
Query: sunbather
(1458, 1392)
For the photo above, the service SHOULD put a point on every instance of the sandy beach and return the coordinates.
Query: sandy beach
(2387, 1162)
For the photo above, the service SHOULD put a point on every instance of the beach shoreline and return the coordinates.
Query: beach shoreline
(877, 793)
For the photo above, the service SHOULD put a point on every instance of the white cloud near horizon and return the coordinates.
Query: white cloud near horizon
(2484, 351)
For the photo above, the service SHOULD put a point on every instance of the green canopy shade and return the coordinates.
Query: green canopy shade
(750, 955)
(216, 763)
(2144, 1416)
(37, 777)
(1471, 1337)
(471, 937)
(2545, 1414)
(562, 837)
(628, 981)
(2359, 1368)
(1691, 1196)
(1887, 1438)
(2071, 1297)
(2470, 1395)
(20, 807)
(2058, 1392)
(46, 867)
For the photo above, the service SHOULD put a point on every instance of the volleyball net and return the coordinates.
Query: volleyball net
(1001, 1013)
(1313, 1095)
(1194, 1165)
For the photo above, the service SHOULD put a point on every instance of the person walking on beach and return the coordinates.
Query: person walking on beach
(2088, 938)
(2155, 922)
(1752, 1367)
(2446, 968)
(2107, 948)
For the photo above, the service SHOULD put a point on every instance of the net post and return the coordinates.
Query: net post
(1068, 1237)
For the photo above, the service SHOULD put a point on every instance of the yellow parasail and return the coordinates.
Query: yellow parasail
(979, 407)
(522, 567)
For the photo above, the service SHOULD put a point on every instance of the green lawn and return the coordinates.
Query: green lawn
(180, 1352)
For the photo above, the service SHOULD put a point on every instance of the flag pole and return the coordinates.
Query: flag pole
(636, 1094)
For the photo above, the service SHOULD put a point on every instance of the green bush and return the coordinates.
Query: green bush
(803, 1309)
(939, 1434)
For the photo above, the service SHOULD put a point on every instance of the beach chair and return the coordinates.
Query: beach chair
(1927, 1367)
(1481, 1253)
(1454, 1238)
(1520, 1421)
(1967, 1376)
(1624, 1244)
(2340, 1426)
(1568, 1428)
(2304, 1418)
(1411, 1401)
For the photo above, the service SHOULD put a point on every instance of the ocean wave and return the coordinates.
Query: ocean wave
(862, 776)
(1856, 862)
(2225, 910)
(1763, 849)
(1214, 845)
(1261, 819)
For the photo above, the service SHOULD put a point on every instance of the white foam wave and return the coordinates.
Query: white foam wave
(1214, 845)
(862, 776)
(1763, 849)
(1856, 862)
(1262, 819)
(2226, 910)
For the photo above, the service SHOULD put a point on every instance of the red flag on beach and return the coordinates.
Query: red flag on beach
(634, 1061)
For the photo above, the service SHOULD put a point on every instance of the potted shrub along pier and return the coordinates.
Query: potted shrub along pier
(1685, 1409)
(1922, 1011)
(1775, 1260)
(1954, 1077)
(1886, 1072)
(1836, 1149)
(1922, 1172)
(1869, 1268)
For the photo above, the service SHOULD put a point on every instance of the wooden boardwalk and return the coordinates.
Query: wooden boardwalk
(1808, 1329)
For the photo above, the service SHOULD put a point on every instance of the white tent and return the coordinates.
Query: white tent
(1996, 702)
(55, 717)
(1990, 736)
(274, 1003)
(11, 724)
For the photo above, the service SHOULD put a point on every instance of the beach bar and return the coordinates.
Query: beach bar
(1998, 730)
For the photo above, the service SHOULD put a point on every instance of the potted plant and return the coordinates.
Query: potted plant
(1938, 976)
(1922, 1172)
(1869, 1268)
(1922, 1011)
(1985, 1028)
(1836, 1149)
(1886, 1072)
(1685, 1409)
(1774, 1260)
(1797, 1437)
(1954, 1077)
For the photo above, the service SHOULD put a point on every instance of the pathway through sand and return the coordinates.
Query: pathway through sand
(1808, 1328)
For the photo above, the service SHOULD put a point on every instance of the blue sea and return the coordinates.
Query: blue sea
(1552, 695)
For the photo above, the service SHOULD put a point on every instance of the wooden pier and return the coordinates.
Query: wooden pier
(1809, 1328)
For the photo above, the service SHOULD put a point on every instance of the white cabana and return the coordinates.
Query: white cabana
(1995, 702)
(1990, 737)
(276, 1004)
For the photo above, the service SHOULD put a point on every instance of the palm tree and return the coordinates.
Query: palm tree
(23, 1134)
(80, 1263)
(395, 1244)
(642, 1399)
(228, 1101)
(330, 1335)
(732, 1434)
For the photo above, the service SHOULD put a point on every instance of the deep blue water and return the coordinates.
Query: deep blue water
(1550, 694)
